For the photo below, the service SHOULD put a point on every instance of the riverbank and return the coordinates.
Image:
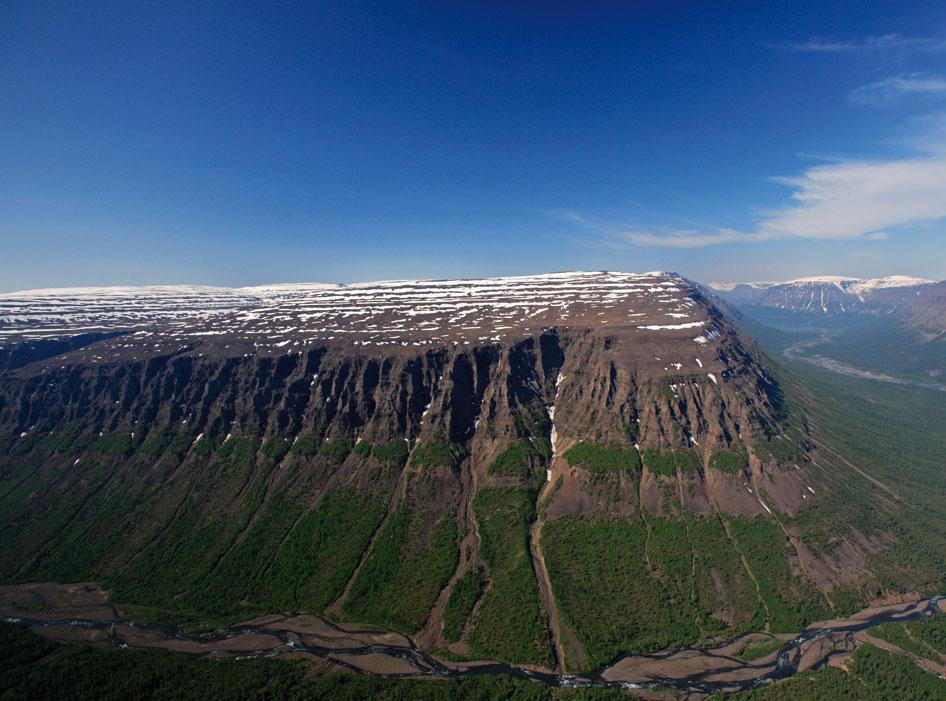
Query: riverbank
(82, 614)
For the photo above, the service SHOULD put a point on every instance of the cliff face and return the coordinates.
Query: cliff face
(478, 486)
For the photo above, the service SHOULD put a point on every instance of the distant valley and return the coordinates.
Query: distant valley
(894, 326)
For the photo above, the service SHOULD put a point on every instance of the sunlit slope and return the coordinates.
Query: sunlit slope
(610, 466)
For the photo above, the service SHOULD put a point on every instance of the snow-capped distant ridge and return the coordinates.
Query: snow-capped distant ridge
(853, 285)
(121, 291)
(890, 281)
(827, 294)
(289, 287)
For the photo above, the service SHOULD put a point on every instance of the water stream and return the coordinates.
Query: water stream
(787, 661)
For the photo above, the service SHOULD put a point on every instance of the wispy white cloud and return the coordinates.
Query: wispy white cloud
(833, 202)
(686, 238)
(890, 90)
(857, 198)
(884, 42)
(619, 237)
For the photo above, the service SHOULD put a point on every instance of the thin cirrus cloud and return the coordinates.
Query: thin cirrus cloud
(835, 202)
(884, 42)
(683, 238)
(891, 90)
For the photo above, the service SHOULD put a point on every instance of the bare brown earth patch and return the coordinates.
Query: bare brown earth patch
(377, 663)
(816, 651)
(72, 635)
(731, 494)
(892, 605)
(785, 489)
(694, 496)
(686, 663)
(571, 497)
(44, 600)
(315, 630)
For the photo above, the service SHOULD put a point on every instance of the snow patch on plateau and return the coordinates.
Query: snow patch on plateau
(672, 327)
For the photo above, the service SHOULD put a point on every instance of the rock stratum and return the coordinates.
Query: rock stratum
(551, 470)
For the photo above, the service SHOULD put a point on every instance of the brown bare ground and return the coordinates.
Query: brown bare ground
(51, 601)
(377, 663)
(686, 663)
(814, 651)
(72, 635)
(320, 632)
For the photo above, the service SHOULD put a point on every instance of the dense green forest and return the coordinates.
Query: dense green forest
(877, 439)
(512, 623)
(32, 668)
(873, 675)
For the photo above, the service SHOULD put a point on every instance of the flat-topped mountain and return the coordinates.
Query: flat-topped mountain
(376, 313)
(549, 470)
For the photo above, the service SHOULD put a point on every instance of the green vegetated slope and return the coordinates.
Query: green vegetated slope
(33, 668)
(925, 638)
(522, 460)
(511, 623)
(604, 460)
(190, 528)
(646, 583)
(605, 590)
(416, 551)
(461, 602)
(881, 450)
(791, 601)
(680, 579)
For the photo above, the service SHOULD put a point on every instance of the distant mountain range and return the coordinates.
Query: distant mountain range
(828, 294)
(893, 325)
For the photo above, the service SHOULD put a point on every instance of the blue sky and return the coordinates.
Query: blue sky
(159, 143)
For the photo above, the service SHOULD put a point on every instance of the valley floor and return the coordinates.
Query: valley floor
(81, 614)
(796, 352)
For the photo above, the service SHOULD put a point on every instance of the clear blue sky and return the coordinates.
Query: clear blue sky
(173, 142)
